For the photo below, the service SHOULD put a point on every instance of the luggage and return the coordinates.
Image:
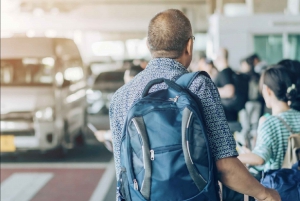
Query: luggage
(285, 181)
(164, 151)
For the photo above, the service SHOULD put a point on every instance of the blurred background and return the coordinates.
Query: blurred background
(62, 60)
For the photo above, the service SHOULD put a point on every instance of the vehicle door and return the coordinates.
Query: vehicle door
(73, 87)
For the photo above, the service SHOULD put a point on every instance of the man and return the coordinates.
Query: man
(170, 42)
(225, 82)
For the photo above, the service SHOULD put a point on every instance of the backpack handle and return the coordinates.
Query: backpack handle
(170, 83)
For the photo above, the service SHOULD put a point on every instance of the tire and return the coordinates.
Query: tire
(63, 150)
(80, 138)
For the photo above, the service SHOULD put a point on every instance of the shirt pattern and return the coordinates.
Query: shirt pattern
(272, 138)
(221, 140)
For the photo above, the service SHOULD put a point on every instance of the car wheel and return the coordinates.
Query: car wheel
(80, 138)
(63, 148)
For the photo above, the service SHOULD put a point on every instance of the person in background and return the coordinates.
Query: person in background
(225, 82)
(258, 65)
(249, 116)
(294, 67)
(143, 63)
(197, 63)
(209, 67)
(277, 88)
(131, 73)
(202, 62)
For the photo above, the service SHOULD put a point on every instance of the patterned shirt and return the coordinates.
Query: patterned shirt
(272, 138)
(221, 140)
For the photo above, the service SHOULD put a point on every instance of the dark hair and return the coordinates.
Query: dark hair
(134, 70)
(168, 33)
(293, 66)
(250, 59)
(278, 79)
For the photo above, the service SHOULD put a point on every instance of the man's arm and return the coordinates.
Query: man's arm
(234, 174)
(227, 91)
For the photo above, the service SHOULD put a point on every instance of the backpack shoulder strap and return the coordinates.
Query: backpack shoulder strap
(186, 79)
(285, 124)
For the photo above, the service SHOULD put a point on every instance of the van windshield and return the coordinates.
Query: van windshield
(27, 71)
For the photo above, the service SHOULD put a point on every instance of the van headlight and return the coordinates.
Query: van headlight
(46, 114)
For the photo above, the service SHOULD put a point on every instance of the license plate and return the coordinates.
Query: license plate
(7, 143)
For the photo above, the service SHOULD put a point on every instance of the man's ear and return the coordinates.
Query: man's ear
(189, 47)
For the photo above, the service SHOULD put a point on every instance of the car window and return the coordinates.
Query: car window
(27, 71)
(110, 77)
(109, 81)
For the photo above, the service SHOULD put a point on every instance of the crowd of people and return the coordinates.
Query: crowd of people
(248, 86)
(272, 96)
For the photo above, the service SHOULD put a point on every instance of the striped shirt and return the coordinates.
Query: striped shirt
(273, 137)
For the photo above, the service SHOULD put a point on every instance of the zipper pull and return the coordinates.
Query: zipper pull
(176, 98)
(136, 185)
(152, 155)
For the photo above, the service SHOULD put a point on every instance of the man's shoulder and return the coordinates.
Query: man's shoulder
(201, 82)
(118, 96)
(201, 78)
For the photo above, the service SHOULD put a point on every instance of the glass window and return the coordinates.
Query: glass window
(27, 71)
(269, 48)
(115, 49)
(294, 47)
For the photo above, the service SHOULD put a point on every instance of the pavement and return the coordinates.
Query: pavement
(87, 173)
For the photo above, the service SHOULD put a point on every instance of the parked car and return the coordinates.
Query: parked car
(43, 94)
(102, 90)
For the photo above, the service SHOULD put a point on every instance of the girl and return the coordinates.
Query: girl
(278, 89)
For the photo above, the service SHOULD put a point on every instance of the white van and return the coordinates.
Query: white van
(43, 88)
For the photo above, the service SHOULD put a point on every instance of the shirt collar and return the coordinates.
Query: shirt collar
(166, 63)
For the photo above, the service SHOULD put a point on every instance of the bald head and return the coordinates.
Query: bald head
(168, 34)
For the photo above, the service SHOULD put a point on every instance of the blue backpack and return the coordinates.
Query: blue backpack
(165, 154)
(285, 181)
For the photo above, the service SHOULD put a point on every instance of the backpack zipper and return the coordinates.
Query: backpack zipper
(163, 149)
(136, 185)
(152, 154)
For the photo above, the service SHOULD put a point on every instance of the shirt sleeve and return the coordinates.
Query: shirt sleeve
(263, 147)
(220, 138)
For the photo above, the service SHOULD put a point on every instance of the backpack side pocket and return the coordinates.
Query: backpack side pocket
(123, 186)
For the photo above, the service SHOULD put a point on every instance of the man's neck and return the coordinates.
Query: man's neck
(183, 63)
